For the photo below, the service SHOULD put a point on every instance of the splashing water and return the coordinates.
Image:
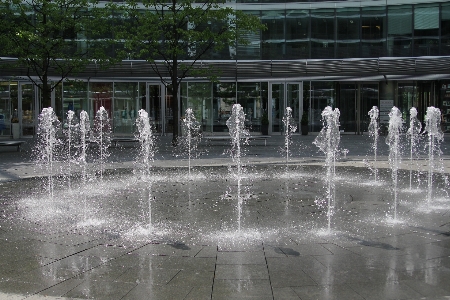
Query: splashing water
(393, 140)
(101, 135)
(328, 142)
(238, 134)
(435, 137)
(373, 132)
(46, 144)
(85, 127)
(145, 137)
(71, 128)
(415, 127)
(191, 140)
(289, 128)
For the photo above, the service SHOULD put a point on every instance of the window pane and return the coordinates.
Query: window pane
(322, 33)
(198, 98)
(426, 30)
(126, 96)
(373, 32)
(273, 36)
(224, 96)
(348, 36)
(253, 49)
(445, 29)
(426, 17)
(399, 30)
(297, 30)
(249, 97)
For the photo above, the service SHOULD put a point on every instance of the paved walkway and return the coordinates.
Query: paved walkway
(212, 236)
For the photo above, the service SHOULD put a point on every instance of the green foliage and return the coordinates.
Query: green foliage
(180, 33)
(53, 37)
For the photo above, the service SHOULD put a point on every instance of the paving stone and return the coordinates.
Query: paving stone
(212, 238)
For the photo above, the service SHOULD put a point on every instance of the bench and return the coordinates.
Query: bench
(116, 140)
(211, 138)
(12, 144)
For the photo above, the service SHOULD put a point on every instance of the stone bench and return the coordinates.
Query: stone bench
(211, 138)
(116, 140)
(12, 144)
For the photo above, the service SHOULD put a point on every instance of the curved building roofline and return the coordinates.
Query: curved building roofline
(382, 68)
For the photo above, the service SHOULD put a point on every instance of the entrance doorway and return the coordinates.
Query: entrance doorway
(282, 95)
(156, 94)
(27, 108)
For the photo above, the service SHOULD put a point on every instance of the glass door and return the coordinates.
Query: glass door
(277, 106)
(284, 95)
(156, 106)
(294, 98)
(27, 108)
(5, 109)
(100, 95)
(347, 106)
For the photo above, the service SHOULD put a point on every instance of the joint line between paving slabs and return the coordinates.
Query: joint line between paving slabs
(215, 269)
(268, 272)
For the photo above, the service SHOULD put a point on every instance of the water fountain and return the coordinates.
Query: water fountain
(435, 137)
(70, 131)
(191, 139)
(171, 222)
(328, 142)
(238, 134)
(393, 140)
(47, 143)
(101, 136)
(144, 135)
(289, 128)
(414, 130)
(84, 127)
(374, 133)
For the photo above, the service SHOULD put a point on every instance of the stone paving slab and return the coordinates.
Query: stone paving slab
(213, 237)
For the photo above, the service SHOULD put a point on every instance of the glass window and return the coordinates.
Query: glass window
(297, 34)
(5, 109)
(253, 49)
(249, 97)
(369, 99)
(321, 95)
(407, 98)
(74, 97)
(126, 105)
(198, 97)
(373, 32)
(445, 105)
(322, 33)
(445, 29)
(100, 94)
(400, 30)
(426, 30)
(273, 37)
(348, 32)
(347, 105)
(224, 96)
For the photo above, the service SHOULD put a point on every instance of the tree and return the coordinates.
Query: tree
(53, 38)
(180, 33)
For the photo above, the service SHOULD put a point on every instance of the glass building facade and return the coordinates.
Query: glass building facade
(308, 31)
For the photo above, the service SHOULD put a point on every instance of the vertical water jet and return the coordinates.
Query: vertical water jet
(393, 140)
(435, 137)
(328, 142)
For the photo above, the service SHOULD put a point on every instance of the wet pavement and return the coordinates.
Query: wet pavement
(211, 235)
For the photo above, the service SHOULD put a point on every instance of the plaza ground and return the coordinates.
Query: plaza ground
(216, 237)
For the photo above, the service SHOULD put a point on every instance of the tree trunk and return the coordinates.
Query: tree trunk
(175, 107)
(46, 93)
